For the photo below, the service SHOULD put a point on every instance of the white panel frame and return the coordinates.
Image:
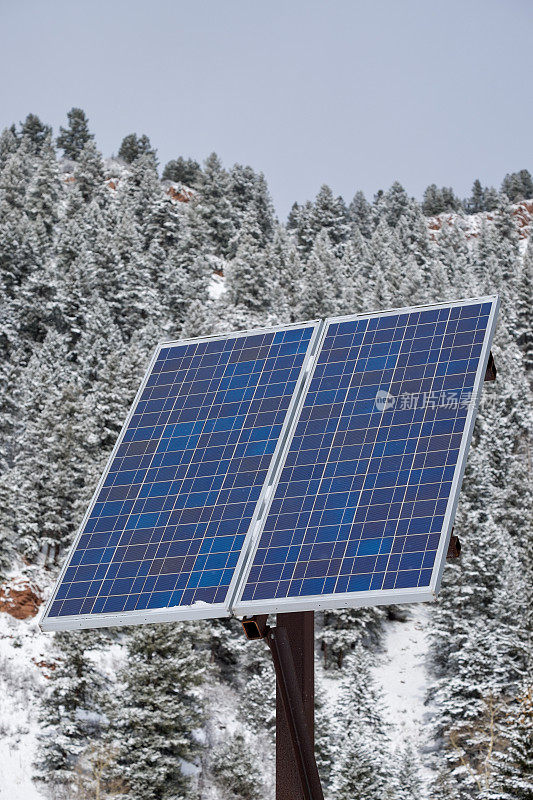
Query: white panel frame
(389, 596)
(197, 610)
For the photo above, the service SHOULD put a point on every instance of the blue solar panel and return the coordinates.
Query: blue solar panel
(167, 525)
(367, 494)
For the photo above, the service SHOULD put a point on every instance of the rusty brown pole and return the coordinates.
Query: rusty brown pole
(292, 645)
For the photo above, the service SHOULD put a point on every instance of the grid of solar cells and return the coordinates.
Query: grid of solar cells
(362, 496)
(169, 522)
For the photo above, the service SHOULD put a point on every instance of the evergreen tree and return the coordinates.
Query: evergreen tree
(324, 738)
(408, 782)
(444, 786)
(133, 146)
(285, 269)
(182, 170)
(321, 291)
(258, 694)
(55, 447)
(89, 172)
(330, 215)
(301, 224)
(433, 202)
(248, 280)
(9, 143)
(476, 203)
(362, 765)
(524, 307)
(73, 139)
(345, 628)
(358, 772)
(514, 765)
(215, 205)
(44, 191)
(360, 215)
(153, 717)
(392, 204)
(518, 186)
(15, 177)
(69, 710)
(236, 771)
(492, 198)
(36, 132)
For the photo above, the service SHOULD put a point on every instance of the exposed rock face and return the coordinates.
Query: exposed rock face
(181, 194)
(20, 597)
(471, 223)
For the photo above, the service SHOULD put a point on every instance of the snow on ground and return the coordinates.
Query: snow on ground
(402, 675)
(22, 667)
(216, 286)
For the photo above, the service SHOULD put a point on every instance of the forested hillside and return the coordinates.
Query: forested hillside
(101, 259)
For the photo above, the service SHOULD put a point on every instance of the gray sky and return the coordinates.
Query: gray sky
(353, 93)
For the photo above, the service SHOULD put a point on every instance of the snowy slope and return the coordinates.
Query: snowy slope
(23, 660)
(403, 678)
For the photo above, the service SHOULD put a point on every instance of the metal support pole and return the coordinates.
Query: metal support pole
(292, 645)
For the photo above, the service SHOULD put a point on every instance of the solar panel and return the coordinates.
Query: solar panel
(363, 508)
(164, 536)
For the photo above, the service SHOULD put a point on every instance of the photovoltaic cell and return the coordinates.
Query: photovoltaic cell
(168, 523)
(369, 475)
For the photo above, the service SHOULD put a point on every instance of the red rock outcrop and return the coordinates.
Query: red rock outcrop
(20, 598)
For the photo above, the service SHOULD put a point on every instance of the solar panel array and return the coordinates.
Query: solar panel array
(362, 497)
(255, 474)
(170, 518)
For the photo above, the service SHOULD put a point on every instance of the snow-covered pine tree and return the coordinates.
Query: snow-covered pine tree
(153, 717)
(15, 177)
(73, 138)
(44, 190)
(331, 215)
(285, 269)
(437, 201)
(358, 771)
(248, 278)
(235, 770)
(513, 779)
(89, 173)
(343, 629)
(476, 202)
(444, 786)
(321, 288)
(524, 307)
(324, 738)
(182, 170)
(362, 761)
(55, 447)
(360, 215)
(258, 703)
(214, 205)
(9, 143)
(69, 713)
(36, 132)
(392, 204)
(249, 197)
(133, 146)
(518, 186)
(408, 782)
(301, 223)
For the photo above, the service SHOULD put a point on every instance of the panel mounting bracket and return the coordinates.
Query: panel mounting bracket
(491, 371)
(454, 547)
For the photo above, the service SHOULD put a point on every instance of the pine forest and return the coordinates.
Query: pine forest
(102, 258)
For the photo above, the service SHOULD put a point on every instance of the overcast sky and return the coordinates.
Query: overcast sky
(353, 93)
